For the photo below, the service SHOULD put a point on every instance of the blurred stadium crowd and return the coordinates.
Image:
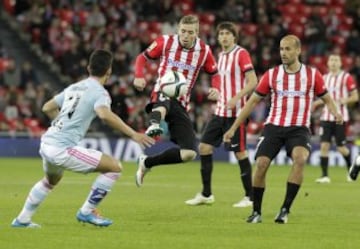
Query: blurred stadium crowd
(68, 30)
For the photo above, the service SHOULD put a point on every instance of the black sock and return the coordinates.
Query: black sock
(170, 156)
(324, 163)
(206, 171)
(155, 117)
(348, 161)
(258, 196)
(291, 192)
(245, 172)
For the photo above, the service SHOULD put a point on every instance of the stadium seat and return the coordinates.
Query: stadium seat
(347, 62)
(248, 28)
(207, 17)
(297, 29)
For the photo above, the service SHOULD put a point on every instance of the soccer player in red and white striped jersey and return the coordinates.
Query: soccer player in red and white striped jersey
(187, 54)
(343, 90)
(292, 87)
(238, 79)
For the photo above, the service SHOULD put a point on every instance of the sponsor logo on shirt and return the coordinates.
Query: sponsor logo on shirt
(180, 65)
(288, 93)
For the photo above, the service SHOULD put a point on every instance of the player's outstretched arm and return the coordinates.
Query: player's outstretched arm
(51, 109)
(251, 80)
(244, 114)
(111, 119)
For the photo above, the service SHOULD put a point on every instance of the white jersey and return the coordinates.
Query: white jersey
(77, 110)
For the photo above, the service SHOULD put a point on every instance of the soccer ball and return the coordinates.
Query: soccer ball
(173, 84)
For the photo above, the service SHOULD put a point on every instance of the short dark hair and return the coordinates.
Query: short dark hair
(100, 62)
(231, 27)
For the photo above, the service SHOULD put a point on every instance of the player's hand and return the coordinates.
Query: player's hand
(143, 139)
(139, 84)
(213, 94)
(232, 103)
(343, 101)
(228, 135)
(339, 118)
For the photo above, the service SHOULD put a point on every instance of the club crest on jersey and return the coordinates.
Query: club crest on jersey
(152, 46)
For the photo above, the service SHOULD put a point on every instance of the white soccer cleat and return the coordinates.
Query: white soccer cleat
(245, 202)
(348, 179)
(141, 171)
(324, 179)
(154, 130)
(355, 168)
(199, 199)
(16, 223)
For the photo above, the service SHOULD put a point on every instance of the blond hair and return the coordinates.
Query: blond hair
(190, 19)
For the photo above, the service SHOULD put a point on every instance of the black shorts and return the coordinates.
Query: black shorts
(179, 123)
(274, 137)
(330, 129)
(215, 130)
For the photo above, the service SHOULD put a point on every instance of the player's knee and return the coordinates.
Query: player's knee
(187, 155)
(116, 166)
(205, 149)
(262, 163)
(299, 159)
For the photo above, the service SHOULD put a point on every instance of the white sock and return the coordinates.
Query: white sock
(99, 189)
(36, 196)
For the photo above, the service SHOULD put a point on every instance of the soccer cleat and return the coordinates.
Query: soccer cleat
(255, 217)
(245, 202)
(154, 130)
(199, 199)
(348, 179)
(282, 216)
(355, 168)
(324, 179)
(16, 223)
(93, 218)
(141, 171)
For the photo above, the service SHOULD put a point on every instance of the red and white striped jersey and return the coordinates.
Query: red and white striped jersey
(339, 87)
(291, 94)
(177, 58)
(232, 67)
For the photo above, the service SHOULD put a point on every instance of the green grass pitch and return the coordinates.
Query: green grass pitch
(155, 216)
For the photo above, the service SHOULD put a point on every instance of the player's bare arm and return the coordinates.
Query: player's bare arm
(251, 80)
(51, 109)
(353, 98)
(244, 114)
(139, 84)
(332, 108)
(111, 119)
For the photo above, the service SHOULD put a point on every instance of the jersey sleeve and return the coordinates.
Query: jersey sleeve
(210, 65)
(155, 50)
(350, 83)
(59, 98)
(245, 61)
(103, 100)
(320, 88)
(263, 88)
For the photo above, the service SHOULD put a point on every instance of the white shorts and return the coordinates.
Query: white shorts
(77, 159)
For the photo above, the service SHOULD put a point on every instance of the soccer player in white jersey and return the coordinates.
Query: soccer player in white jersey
(292, 87)
(343, 90)
(71, 112)
(238, 79)
(185, 53)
